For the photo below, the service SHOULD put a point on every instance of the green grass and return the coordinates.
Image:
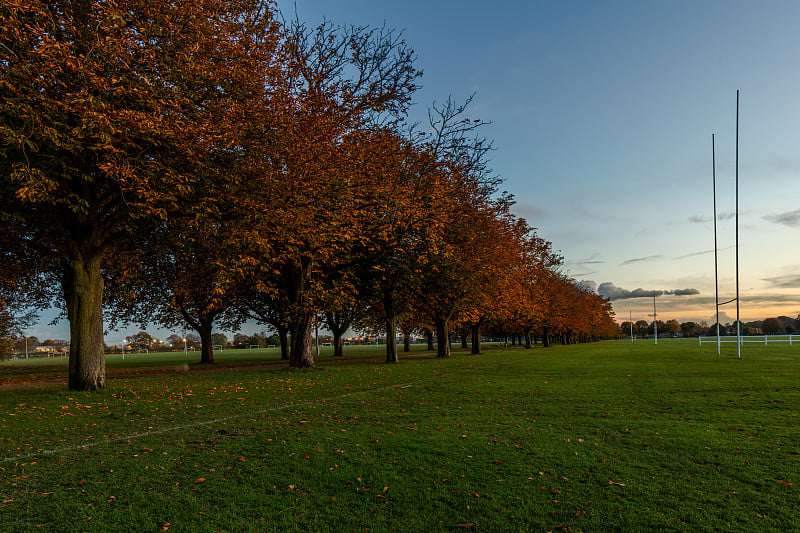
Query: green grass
(609, 436)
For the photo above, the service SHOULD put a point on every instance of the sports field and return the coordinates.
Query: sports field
(606, 436)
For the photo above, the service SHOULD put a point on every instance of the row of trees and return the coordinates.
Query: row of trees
(205, 163)
(770, 326)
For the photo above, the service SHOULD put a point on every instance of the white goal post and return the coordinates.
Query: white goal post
(218, 347)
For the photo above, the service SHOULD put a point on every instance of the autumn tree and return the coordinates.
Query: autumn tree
(110, 113)
(672, 327)
(340, 80)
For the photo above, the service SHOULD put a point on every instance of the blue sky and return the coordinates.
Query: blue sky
(602, 115)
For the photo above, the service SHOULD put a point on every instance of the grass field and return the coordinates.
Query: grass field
(607, 436)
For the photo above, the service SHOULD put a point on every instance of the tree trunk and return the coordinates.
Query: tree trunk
(283, 337)
(429, 338)
(443, 334)
(206, 345)
(406, 339)
(302, 355)
(338, 324)
(464, 343)
(527, 338)
(391, 339)
(476, 338)
(295, 279)
(338, 344)
(83, 293)
(545, 338)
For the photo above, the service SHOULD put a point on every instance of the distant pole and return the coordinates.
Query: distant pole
(630, 319)
(26, 346)
(738, 321)
(123, 349)
(655, 318)
(716, 268)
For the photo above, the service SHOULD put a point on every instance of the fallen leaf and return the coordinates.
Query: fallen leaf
(466, 526)
(785, 483)
(199, 480)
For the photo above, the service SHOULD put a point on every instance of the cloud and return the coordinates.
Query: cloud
(588, 284)
(682, 292)
(612, 292)
(528, 211)
(641, 259)
(695, 254)
(789, 281)
(790, 218)
(700, 219)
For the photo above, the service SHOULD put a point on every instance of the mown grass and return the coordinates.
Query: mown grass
(609, 436)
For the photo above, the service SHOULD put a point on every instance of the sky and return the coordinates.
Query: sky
(602, 115)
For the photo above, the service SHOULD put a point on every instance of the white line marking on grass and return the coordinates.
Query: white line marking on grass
(215, 420)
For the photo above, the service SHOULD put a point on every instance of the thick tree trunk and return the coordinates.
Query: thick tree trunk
(83, 292)
(545, 338)
(443, 334)
(206, 344)
(464, 343)
(527, 338)
(429, 338)
(406, 339)
(338, 344)
(295, 279)
(391, 339)
(302, 355)
(475, 330)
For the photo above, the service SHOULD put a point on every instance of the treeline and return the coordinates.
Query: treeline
(770, 326)
(204, 163)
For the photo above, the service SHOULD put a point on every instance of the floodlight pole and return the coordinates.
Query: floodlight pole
(26, 346)
(716, 268)
(738, 321)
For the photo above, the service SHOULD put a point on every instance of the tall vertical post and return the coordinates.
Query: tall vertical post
(26, 346)
(716, 267)
(738, 321)
(630, 320)
(655, 318)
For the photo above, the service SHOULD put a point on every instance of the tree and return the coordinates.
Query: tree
(141, 341)
(672, 327)
(641, 328)
(772, 326)
(111, 113)
(342, 80)
(174, 341)
(219, 339)
(689, 328)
